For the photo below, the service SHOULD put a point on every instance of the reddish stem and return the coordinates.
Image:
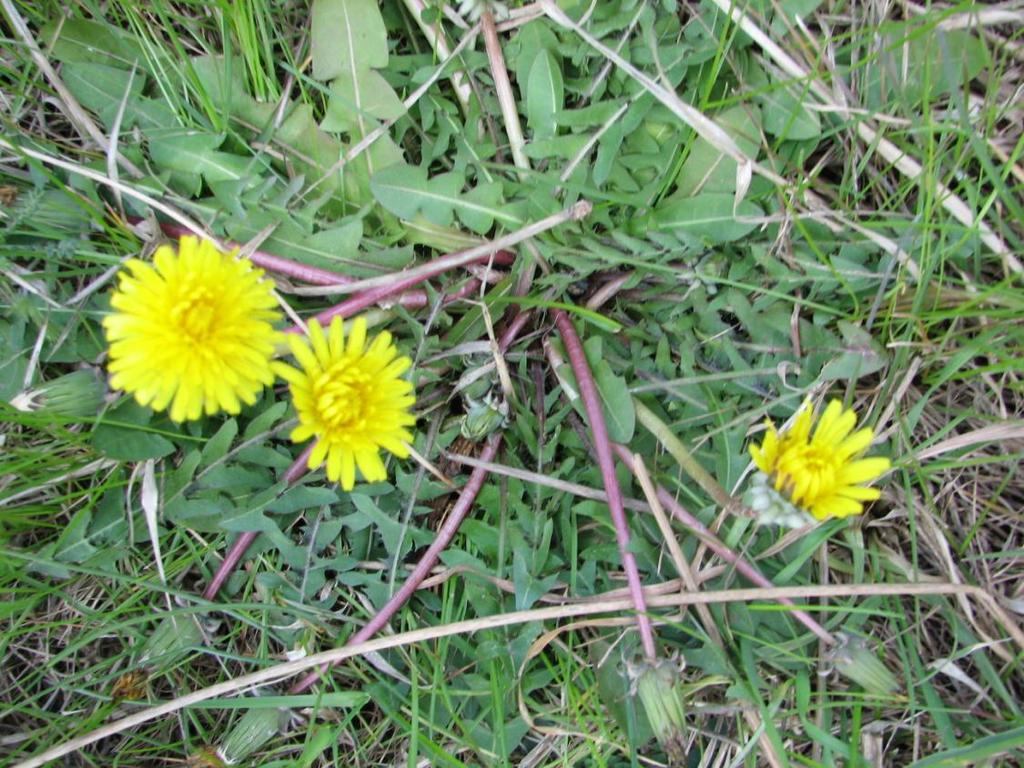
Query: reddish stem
(712, 542)
(603, 449)
(242, 543)
(379, 293)
(424, 566)
(278, 264)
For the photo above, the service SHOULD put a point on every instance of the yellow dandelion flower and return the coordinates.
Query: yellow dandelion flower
(822, 475)
(192, 331)
(349, 397)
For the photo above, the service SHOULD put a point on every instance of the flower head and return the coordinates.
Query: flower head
(192, 330)
(821, 475)
(349, 397)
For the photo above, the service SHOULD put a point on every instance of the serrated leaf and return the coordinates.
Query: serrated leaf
(862, 355)
(545, 95)
(708, 217)
(265, 420)
(347, 35)
(73, 546)
(405, 191)
(200, 514)
(481, 201)
(195, 152)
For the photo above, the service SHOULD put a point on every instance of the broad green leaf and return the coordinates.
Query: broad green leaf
(195, 152)
(358, 99)
(706, 169)
(226, 89)
(336, 248)
(607, 153)
(480, 203)
(708, 217)
(919, 64)
(82, 40)
(785, 112)
(319, 150)
(564, 147)
(405, 190)
(526, 46)
(347, 35)
(545, 95)
(92, 529)
(101, 88)
(590, 116)
(126, 443)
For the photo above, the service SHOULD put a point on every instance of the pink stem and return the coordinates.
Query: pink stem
(509, 335)
(278, 264)
(242, 543)
(424, 566)
(712, 542)
(602, 446)
(379, 293)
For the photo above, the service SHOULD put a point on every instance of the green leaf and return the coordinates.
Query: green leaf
(477, 213)
(336, 248)
(265, 420)
(358, 97)
(528, 589)
(545, 95)
(616, 401)
(347, 35)
(708, 217)
(978, 752)
(785, 113)
(124, 436)
(706, 169)
(101, 88)
(405, 190)
(82, 40)
(862, 355)
(217, 446)
(195, 152)
(226, 89)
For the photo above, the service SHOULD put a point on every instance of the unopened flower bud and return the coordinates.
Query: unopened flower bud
(855, 660)
(657, 686)
(255, 728)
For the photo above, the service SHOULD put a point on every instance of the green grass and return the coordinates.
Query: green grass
(714, 327)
